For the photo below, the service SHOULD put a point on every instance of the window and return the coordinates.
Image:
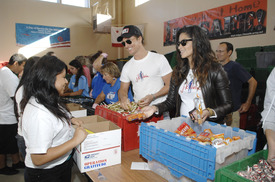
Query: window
(79, 3)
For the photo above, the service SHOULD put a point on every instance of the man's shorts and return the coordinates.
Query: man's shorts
(8, 142)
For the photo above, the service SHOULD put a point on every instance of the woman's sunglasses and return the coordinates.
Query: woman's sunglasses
(127, 41)
(183, 42)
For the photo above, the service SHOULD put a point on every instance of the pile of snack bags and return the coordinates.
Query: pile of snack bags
(134, 113)
(206, 137)
(262, 171)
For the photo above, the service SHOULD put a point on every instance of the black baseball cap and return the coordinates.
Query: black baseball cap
(128, 31)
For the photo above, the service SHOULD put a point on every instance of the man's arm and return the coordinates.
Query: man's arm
(123, 95)
(251, 92)
(163, 91)
(270, 136)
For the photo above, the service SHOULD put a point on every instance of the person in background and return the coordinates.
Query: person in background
(8, 123)
(199, 86)
(78, 85)
(92, 58)
(17, 99)
(148, 72)
(50, 53)
(268, 116)
(98, 82)
(237, 76)
(84, 61)
(109, 93)
(46, 123)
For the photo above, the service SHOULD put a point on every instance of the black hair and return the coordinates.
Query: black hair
(40, 84)
(20, 58)
(229, 46)
(202, 56)
(75, 63)
(29, 63)
(50, 53)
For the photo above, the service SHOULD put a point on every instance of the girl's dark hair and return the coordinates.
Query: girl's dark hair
(40, 84)
(203, 56)
(75, 63)
(29, 63)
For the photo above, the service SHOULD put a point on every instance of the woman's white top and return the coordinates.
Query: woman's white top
(41, 131)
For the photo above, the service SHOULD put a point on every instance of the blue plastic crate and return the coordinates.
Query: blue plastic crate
(189, 158)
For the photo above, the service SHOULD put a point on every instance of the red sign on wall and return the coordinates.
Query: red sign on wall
(243, 18)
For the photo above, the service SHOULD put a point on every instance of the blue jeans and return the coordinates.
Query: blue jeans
(21, 145)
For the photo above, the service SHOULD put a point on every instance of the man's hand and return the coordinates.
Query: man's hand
(244, 107)
(125, 104)
(145, 101)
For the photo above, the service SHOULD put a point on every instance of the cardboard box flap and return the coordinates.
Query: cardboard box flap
(100, 126)
(92, 119)
(74, 107)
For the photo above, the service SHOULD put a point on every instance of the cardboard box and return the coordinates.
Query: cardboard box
(100, 149)
(77, 110)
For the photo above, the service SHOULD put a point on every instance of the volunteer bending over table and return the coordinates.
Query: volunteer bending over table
(199, 86)
(109, 93)
(46, 123)
(78, 85)
(268, 116)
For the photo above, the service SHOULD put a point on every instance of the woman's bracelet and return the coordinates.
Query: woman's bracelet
(210, 111)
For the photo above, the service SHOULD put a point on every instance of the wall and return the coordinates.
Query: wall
(83, 40)
(155, 12)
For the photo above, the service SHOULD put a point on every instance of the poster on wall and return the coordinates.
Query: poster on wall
(243, 18)
(42, 36)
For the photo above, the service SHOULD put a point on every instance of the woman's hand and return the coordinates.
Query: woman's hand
(201, 117)
(77, 122)
(79, 135)
(91, 95)
(149, 111)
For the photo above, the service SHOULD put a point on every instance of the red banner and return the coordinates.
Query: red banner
(243, 18)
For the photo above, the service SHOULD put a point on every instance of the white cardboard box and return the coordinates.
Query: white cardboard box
(100, 149)
(77, 110)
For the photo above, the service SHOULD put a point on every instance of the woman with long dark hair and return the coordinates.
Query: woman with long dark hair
(78, 85)
(46, 123)
(17, 99)
(199, 86)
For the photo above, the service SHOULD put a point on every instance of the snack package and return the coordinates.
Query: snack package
(227, 140)
(205, 136)
(135, 116)
(185, 130)
(216, 136)
(236, 138)
(218, 142)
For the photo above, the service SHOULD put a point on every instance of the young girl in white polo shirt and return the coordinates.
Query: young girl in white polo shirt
(46, 123)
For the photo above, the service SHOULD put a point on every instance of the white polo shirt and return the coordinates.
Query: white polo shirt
(41, 131)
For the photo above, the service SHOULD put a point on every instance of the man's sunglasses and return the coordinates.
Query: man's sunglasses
(183, 42)
(127, 41)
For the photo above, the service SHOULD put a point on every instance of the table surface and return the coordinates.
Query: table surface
(122, 172)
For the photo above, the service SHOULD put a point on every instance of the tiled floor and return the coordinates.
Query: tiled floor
(76, 176)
